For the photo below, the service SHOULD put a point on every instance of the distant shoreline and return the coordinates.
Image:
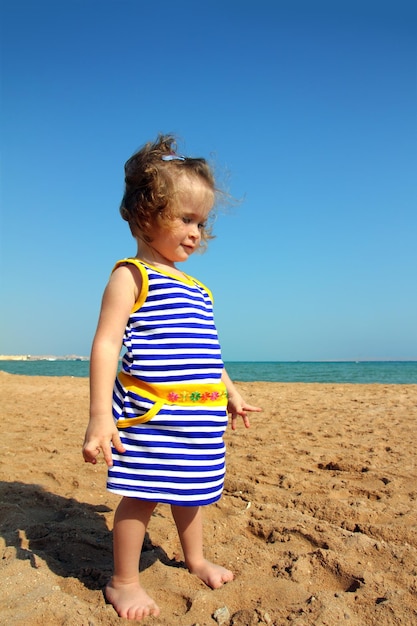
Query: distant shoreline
(50, 357)
(389, 372)
(76, 357)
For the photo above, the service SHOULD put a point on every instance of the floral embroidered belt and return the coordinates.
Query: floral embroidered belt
(213, 394)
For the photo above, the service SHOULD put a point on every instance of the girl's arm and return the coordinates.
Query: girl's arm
(118, 299)
(236, 405)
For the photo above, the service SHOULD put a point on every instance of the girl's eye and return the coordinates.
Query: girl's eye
(188, 220)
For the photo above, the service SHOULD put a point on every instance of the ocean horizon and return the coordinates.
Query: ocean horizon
(359, 372)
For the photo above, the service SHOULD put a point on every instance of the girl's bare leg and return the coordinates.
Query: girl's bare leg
(189, 523)
(124, 590)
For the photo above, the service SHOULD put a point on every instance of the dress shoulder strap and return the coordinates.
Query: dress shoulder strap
(145, 280)
(200, 284)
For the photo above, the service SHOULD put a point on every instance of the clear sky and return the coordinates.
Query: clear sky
(308, 111)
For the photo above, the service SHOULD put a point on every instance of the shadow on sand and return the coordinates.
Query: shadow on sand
(70, 536)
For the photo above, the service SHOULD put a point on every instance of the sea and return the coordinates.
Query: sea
(361, 372)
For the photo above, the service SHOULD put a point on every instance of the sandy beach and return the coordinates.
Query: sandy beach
(318, 519)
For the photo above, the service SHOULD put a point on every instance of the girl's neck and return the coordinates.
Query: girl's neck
(146, 253)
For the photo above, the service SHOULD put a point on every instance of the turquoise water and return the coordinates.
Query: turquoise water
(387, 372)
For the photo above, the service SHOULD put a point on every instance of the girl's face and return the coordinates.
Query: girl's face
(181, 236)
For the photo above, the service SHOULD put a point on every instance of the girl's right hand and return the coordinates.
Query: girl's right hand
(96, 441)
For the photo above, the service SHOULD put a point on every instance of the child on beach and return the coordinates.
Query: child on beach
(160, 421)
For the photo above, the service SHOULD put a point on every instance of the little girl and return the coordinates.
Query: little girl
(160, 421)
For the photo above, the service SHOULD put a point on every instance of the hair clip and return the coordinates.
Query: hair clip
(173, 157)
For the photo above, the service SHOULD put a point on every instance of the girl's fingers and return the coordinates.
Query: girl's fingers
(245, 418)
(249, 407)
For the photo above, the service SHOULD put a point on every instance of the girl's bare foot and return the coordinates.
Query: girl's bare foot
(130, 600)
(211, 574)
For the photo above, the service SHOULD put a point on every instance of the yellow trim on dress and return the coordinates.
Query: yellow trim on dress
(212, 394)
(185, 278)
(145, 280)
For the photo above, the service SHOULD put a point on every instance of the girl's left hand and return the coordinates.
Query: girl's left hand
(237, 406)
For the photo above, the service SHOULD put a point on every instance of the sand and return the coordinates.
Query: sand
(318, 519)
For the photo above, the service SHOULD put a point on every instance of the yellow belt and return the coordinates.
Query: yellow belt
(213, 394)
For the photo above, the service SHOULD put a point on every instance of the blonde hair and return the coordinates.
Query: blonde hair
(151, 181)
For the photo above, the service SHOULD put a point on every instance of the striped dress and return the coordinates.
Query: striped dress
(169, 402)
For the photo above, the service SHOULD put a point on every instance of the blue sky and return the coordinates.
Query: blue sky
(308, 111)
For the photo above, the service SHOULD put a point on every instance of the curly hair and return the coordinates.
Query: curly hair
(151, 181)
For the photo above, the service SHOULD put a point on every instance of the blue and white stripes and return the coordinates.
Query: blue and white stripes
(172, 336)
(177, 457)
